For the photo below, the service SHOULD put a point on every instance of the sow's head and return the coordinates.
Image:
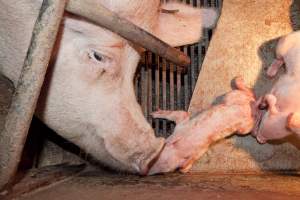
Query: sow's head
(88, 97)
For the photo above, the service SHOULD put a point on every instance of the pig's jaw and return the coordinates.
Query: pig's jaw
(101, 150)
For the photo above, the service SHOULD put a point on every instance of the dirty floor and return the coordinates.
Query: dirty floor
(93, 184)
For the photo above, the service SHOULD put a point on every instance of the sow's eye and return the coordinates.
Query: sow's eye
(96, 63)
(97, 57)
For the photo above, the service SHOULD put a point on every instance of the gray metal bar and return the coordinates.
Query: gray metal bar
(157, 91)
(186, 85)
(14, 134)
(144, 90)
(164, 92)
(172, 90)
(148, 61)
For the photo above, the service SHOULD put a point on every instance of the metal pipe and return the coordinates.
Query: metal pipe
(103, 17)
(17, 123)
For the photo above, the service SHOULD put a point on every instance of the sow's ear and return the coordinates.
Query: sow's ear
(180, 24)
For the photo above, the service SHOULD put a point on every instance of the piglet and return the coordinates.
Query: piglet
(282, 115)
(194, 134)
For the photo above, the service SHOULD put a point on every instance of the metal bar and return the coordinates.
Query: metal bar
(206, 3)
(186, 85)
(172, 96)
(192, 76)
(148, 61)
(157, 92)
(136, 87)
(164, 92)
(144, 83)
(200, 56)
(193, 68)
(178, 84)
(138, 84)
(24, 101)
(107, 19)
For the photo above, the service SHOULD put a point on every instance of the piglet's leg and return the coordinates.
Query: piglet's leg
(273, 69)
(188, 164)
(293, 122)
(271, 101)
(176, 116)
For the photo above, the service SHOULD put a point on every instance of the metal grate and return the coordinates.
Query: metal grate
(160, 84)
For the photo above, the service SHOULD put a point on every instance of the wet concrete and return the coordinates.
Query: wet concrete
(94, 184)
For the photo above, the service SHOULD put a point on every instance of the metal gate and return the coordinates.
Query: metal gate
(161, 84)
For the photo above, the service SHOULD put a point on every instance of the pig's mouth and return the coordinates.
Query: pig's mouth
(145, 170)
(259, 116)
(257, 123)
(262, 108)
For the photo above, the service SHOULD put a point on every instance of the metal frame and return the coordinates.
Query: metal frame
(24, 100)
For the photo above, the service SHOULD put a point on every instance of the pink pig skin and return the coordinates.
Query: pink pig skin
(194, 134)
(282, 117)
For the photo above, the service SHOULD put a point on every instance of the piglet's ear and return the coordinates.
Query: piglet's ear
(181, 24)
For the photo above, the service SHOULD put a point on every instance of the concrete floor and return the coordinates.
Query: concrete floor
(92, 184)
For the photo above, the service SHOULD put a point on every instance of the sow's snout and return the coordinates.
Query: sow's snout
(134, 151)
(151, 157)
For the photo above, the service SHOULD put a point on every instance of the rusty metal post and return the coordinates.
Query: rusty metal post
(107, 19)
(14, 134)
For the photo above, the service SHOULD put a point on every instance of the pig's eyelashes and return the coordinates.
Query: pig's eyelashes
(99, 63)
(99, 58)
(96, 56)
